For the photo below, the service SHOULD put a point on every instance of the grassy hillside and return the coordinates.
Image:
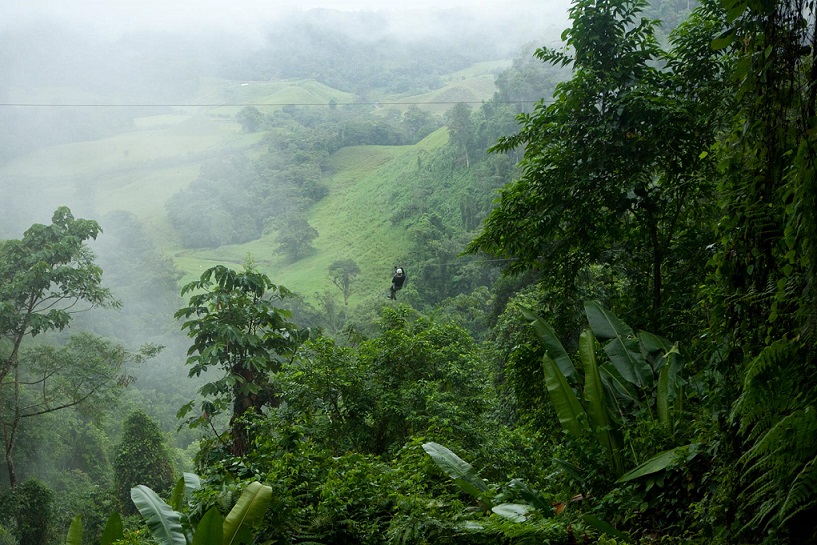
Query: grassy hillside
(269, 95)
(353, 221)
(135, 171)
(139, 170)
(472, 85)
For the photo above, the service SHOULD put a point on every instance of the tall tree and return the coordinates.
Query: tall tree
(610, 172)
(86, 372)
(461, 129)
(295, 236)
(342, 273)
(236, 327)
(45, 278)
(250, 118)
(767, 259)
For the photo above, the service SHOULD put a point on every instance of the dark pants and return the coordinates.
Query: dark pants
(393, 291)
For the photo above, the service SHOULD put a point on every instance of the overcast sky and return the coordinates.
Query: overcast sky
(119, 15)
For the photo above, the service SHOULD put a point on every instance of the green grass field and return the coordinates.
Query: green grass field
(352, 222)
(138, 171)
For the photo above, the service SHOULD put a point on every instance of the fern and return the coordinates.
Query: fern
(767, 376)
(776, 413)
(801, 494)
(533, 531)
(781, 481)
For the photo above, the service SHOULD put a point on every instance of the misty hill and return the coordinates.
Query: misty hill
(371, 55)
(140, 169)
(350, 106)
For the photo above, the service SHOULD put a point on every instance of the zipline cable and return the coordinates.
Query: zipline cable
(247, 104)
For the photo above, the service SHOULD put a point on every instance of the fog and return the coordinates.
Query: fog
(115, 17)
(93, 55)
(84, 70)
(103, 103)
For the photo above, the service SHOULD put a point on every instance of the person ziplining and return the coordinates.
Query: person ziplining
(397, 282)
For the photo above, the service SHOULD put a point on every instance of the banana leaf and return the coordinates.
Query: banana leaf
(114, 530)
(654, 347)
(571, 469)
(676, 363)
(210, 530)
(515, 512)
(623, 389)
(595, 403)
(249, 510)
(533, 497)
(620, 343)
(75, 531)
(463, 473)
(570, 412)
(163, 522)
(187, 483)
(551, 344)
(660, 462)
(606, 528)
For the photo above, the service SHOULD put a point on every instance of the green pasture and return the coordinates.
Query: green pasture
(159, 122)
(490, 68)
(353, 222)
(135, 171)
(469, 89)
(139, 170)
(267, 96)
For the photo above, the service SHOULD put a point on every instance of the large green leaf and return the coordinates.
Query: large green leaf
(550, 342)
(459, 470)
(574, 471)
(114, 530)
(177, 495)
(660, 461)
(570, 412)
(210, 530)
(186, 484)
(595, 403)
(163, 521)
(593, 388)
(248, 511)
(75, 531)
(676, 363)
(622, 346)
(533, 497)
(515, 512)
(622, 388)
(655, 347)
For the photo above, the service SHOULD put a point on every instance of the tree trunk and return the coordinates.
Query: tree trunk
(242, 404)
(657, 284)
(8, 443)
(10, 428)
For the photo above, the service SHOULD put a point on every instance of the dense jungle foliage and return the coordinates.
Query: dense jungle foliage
(608, 333)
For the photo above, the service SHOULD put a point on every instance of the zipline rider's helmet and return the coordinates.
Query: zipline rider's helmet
(399, 272)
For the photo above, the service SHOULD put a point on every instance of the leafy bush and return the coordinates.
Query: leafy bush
(34, 504)
(142, 458)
